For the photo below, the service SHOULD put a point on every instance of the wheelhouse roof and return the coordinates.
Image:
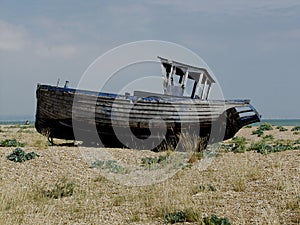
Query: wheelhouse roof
(181, 68)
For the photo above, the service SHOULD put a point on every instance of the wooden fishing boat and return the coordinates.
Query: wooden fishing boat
(143, 120)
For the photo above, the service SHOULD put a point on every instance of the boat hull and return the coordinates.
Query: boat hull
(148, 122)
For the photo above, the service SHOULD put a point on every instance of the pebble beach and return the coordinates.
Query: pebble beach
(60, 185)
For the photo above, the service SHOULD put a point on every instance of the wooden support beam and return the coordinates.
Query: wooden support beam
(185, 79)
(171, 73)
(194, 89)
(204, 87)
(208, 90)
(199, 84)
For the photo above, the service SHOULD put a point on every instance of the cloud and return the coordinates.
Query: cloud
(61, 51)
(12, 37)
(15, 38)
(134, 17)
(232, 7)
(274, 40)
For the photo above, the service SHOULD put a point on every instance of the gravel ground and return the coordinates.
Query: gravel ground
(247, 188)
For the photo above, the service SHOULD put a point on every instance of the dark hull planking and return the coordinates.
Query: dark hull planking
(86, 116)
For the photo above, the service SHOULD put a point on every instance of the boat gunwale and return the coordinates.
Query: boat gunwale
(167, 99)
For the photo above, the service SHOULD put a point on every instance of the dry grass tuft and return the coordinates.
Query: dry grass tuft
(239, 184)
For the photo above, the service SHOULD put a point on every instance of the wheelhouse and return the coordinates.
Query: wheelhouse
(178, 75)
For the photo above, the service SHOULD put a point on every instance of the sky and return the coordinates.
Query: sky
(252, 46)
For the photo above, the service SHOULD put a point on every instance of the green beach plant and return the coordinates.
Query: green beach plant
(239, 144)
(297, 141)
(264, 147)
(258, 132)
(227, 147)
(282, 147)
(11, 143)
(236, 145)
(281, 128)
(110, 165)
(186, 215)
(296, 128)
(211, 187)
(261, 147)
(215, 220)
(201, 188)
(19, 155)
(268, 137)
(175, 217)
(150, 161)
(265, 126)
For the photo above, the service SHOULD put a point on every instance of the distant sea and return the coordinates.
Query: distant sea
(275, 122)
(280, 122)
(17, 122)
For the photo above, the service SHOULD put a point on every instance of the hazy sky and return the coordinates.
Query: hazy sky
(252, 46)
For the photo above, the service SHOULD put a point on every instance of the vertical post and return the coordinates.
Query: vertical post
(208, 90)
(165, 78)
(194, 89)
(163, 71)
(171, 73)
(169, 81)
(204, 87)
(199, 84)
(186, 75)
